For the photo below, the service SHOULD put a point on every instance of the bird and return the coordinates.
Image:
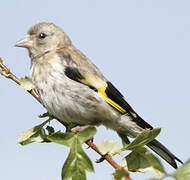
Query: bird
(75, 91)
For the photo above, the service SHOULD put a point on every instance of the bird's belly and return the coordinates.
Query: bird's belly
(72, 102)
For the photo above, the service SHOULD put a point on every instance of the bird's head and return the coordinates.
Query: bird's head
(42, 38)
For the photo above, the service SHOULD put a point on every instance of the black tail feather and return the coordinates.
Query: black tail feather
(162, 151)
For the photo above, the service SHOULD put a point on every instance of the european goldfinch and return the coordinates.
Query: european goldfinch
(74, 90)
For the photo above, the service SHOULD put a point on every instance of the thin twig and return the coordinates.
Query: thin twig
(33, 92)
(11, 76)
(107, 156)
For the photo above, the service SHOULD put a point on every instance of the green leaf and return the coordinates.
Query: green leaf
(142, 160)
(26, 83)
(62, 138)
(154, 178)
(76, 163)
(183, 172)
(109, 147)
(45, 115)
(5, 72)
(86, 134)
(120, 174)
(35, 134)
(50, 130)
(79, 175)
(155, 163)
(142, 139)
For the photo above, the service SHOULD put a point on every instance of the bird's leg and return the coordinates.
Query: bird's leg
(77, 129)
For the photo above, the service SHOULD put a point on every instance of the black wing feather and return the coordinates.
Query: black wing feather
(73, 73)
(117, 97)
(112, 93)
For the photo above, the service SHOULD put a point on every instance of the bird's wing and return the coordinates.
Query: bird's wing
(79, 68)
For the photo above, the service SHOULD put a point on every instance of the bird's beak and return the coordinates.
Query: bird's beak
(26, 42)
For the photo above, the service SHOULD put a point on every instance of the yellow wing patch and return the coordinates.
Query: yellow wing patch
(102, 92)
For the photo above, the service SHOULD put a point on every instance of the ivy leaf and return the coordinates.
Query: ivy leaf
(76, 163)
(35, 134)
(142, 139)
(142, 160)
(120, 174)
(26, 83)
(109, 147)
(183, 172)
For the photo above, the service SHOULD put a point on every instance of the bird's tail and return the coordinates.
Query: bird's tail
(162, 151)
(159, 149)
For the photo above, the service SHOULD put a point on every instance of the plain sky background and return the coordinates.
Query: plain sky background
(141, 46)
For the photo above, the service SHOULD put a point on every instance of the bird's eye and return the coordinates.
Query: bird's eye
(42, 35)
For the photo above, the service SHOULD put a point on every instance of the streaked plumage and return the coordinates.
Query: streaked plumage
(74, 90)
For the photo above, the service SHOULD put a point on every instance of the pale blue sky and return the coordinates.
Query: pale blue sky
(141, 46)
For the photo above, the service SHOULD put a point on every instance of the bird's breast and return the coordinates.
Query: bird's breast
(68, 100)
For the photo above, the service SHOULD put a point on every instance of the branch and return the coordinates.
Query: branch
(6, 72)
